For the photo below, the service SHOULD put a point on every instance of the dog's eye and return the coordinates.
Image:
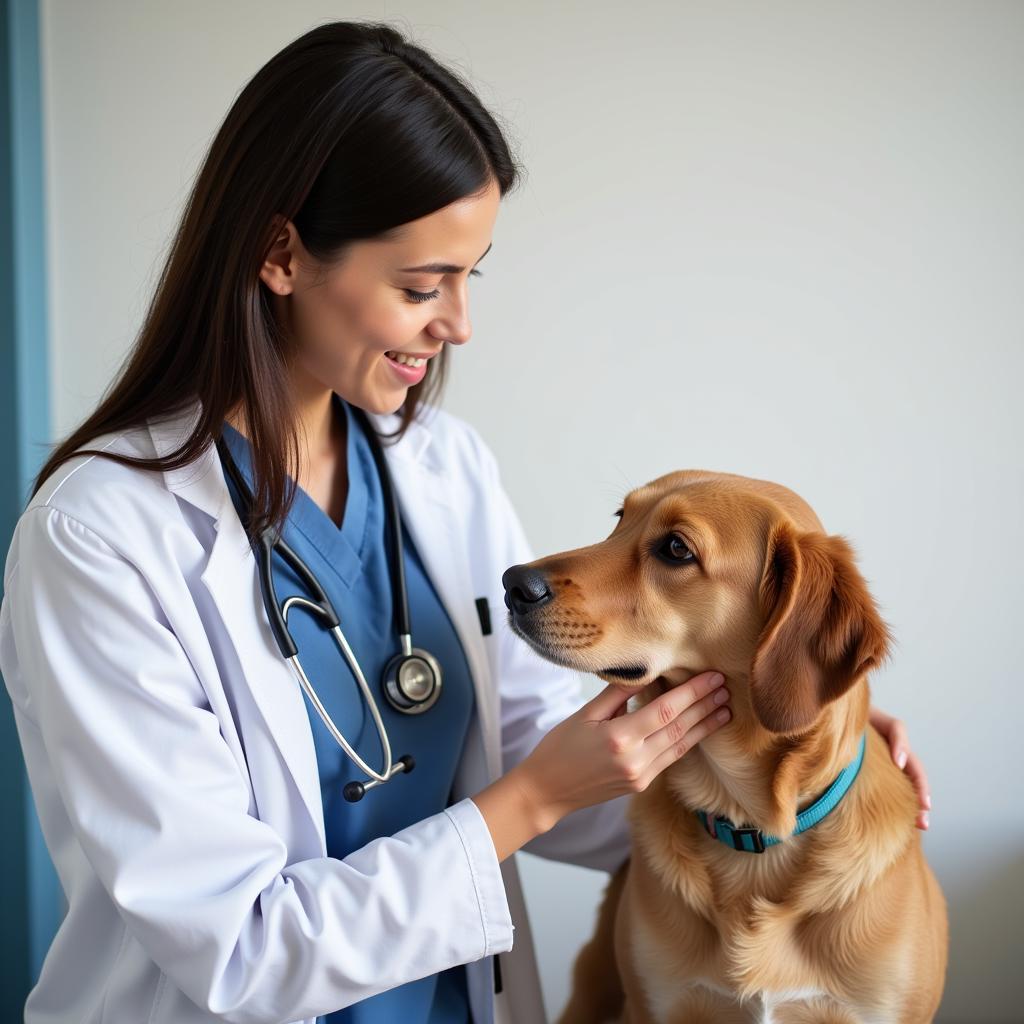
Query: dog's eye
(675, 550)
(619, 513)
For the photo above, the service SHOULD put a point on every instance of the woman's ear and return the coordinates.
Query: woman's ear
(822, 629)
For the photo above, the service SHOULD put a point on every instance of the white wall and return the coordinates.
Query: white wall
(785, 240)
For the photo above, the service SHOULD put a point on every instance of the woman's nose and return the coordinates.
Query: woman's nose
(456, 327)
(457, 331)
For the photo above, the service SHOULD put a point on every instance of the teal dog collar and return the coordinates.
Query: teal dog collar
(753, 840)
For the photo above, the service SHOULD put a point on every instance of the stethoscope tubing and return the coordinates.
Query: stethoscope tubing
(322, 608)
(346, 651)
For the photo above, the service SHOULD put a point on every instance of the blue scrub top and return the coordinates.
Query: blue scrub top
(351, 564)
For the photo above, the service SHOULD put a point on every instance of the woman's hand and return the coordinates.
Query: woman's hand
(599, 753)
(895, 734)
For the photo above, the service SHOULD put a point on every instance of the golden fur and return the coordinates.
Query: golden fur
(843, 924)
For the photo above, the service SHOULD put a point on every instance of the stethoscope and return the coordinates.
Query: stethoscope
(411, 679)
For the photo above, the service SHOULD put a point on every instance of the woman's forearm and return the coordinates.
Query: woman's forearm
(513, 812)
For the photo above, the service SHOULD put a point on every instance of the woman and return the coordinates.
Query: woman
(218, 864)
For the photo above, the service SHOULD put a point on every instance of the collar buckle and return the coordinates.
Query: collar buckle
(754, 834)
(747, 839)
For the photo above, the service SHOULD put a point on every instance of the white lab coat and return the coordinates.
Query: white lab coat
(172, 764)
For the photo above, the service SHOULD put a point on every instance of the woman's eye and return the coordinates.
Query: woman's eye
(421, 296)
(426, 296)
(675, 550)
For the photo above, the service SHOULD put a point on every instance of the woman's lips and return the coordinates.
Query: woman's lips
(407, 374)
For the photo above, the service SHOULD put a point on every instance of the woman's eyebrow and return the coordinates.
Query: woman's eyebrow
(439, 268)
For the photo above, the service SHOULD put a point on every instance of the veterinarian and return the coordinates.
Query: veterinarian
(246, 835)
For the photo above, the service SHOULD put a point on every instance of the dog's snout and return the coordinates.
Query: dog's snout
(525, 589)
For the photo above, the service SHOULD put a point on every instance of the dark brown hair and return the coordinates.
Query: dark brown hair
(350, 132)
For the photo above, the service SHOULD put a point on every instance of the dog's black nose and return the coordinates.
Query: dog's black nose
(525, 589)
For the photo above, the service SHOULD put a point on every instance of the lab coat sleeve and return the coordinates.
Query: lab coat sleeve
(160, 808)
(536, 695)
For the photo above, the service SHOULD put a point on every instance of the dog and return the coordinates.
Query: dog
(745, 913)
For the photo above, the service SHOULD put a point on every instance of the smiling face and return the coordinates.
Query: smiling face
(347, 315)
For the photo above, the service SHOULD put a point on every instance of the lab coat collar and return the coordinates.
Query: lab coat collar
(202, 483)
(230, 576)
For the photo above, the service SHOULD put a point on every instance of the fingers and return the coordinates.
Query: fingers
(899, 748)
(917, 775)
(897, 739)
(665, 709)
(709, 716)
(609, 703)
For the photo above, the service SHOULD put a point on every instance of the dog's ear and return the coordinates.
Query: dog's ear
(822, 629)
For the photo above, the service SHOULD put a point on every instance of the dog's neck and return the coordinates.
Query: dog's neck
(752, 776)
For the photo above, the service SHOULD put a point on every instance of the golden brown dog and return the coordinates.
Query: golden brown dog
(843, 923)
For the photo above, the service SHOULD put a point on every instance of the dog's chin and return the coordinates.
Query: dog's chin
(627, 677)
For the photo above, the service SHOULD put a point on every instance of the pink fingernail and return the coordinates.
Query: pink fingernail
(901, 759)
(928, 801)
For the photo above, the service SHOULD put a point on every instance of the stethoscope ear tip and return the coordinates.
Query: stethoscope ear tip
(353, 792)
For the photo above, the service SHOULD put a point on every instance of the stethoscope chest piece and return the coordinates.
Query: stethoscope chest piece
(412, 681)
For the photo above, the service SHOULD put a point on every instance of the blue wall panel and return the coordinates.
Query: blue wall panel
(33, 903)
